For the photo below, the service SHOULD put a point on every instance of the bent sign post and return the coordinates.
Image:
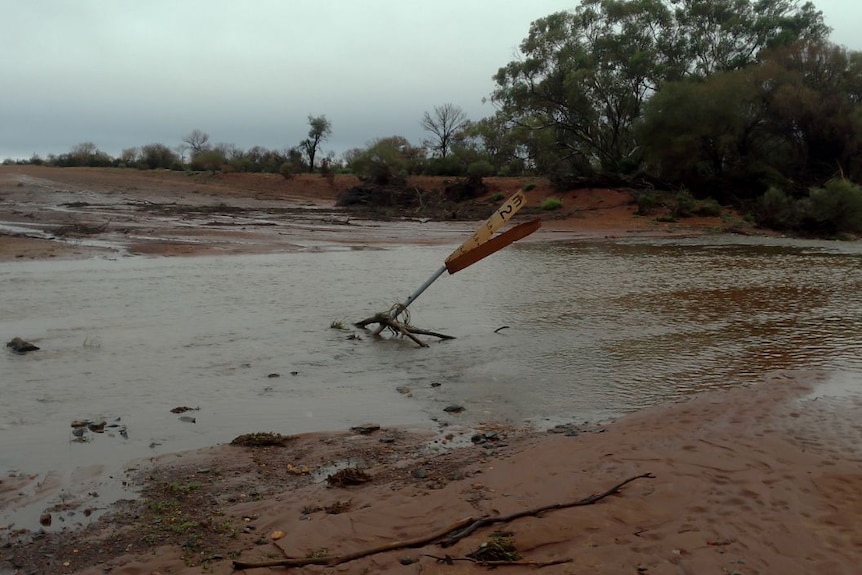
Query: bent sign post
(469, 252)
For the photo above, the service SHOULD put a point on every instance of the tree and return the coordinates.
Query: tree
(197, 140)
(792, 121)
(129, 156)
(723, 35)
(385, 160)
(585, 75)
(155, 156)
(319, 130)
(444, 125)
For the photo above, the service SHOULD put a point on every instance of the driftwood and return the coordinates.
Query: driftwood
(485, 521)
(451, 561)
(446, 537)
(386, 320)
(338, 559)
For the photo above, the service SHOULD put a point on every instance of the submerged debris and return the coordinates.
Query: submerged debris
(261, 439)
(18, 345)
(348, 476)
(183, 409)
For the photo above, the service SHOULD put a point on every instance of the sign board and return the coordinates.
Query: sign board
(502, 215)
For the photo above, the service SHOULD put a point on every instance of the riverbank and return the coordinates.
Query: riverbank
(756, 481)
(105, 212)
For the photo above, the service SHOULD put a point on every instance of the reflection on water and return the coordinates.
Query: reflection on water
(595, 330)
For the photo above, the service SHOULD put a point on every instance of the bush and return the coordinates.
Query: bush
(287, 170)
(529, 187)
(835, 208)
(775, 210)
(708, 209)
(551, 204)
(480, 169)
(647, 203)
(685, 205)
(496, 197)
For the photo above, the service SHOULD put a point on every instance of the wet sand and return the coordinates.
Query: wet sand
(761, 480)
(92, 212)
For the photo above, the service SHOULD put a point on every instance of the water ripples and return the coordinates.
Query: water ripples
(596, 329)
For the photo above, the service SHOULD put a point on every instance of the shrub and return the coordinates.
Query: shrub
(529, 187)
(480, 169)
(647, 203)
(287, 170)
(496, 197)
(774, 209)
(551, 204)
(835, 208)
(685, 205)
(708, 208)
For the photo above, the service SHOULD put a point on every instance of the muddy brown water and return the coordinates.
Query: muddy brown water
(595, 329)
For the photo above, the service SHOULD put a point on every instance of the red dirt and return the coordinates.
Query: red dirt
(172, 213)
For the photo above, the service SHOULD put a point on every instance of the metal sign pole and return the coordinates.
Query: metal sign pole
(412, 297)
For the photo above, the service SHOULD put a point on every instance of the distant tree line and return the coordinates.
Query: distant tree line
(744, 102)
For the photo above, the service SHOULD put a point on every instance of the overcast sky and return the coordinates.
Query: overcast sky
(127, 73)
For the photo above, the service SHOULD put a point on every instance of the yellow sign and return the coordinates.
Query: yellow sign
(502, 215)
(493, 245)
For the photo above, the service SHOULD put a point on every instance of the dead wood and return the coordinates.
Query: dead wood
(384, 321)
(451, 560)
(455, 532)
(485, 521)
(338, 559)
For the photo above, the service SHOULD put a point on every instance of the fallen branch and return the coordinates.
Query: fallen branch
(458, 531)
(451, 560)
(338, 559)
(384, 320)
(484, 521)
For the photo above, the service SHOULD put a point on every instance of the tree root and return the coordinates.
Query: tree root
(385, 320)
(446, 537)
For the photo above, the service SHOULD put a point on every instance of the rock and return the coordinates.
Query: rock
(453, 409)
(187, 419)
(365, 429)
(45, 519)
(18, 345)
(183, 409)
(97, 427)
(403, 389)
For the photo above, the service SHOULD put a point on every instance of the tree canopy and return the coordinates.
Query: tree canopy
(585, 75)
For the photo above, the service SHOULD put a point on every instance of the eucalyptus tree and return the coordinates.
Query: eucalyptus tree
(585, 75)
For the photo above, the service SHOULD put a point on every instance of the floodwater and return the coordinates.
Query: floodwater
(595, 330)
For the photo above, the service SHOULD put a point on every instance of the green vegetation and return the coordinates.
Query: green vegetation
(833, 210)
(551, 204)
(746, 103)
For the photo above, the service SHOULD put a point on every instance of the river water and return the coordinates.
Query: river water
(595, 329)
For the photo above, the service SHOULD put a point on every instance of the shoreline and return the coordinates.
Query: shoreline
(762, 479)
(110, 212)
